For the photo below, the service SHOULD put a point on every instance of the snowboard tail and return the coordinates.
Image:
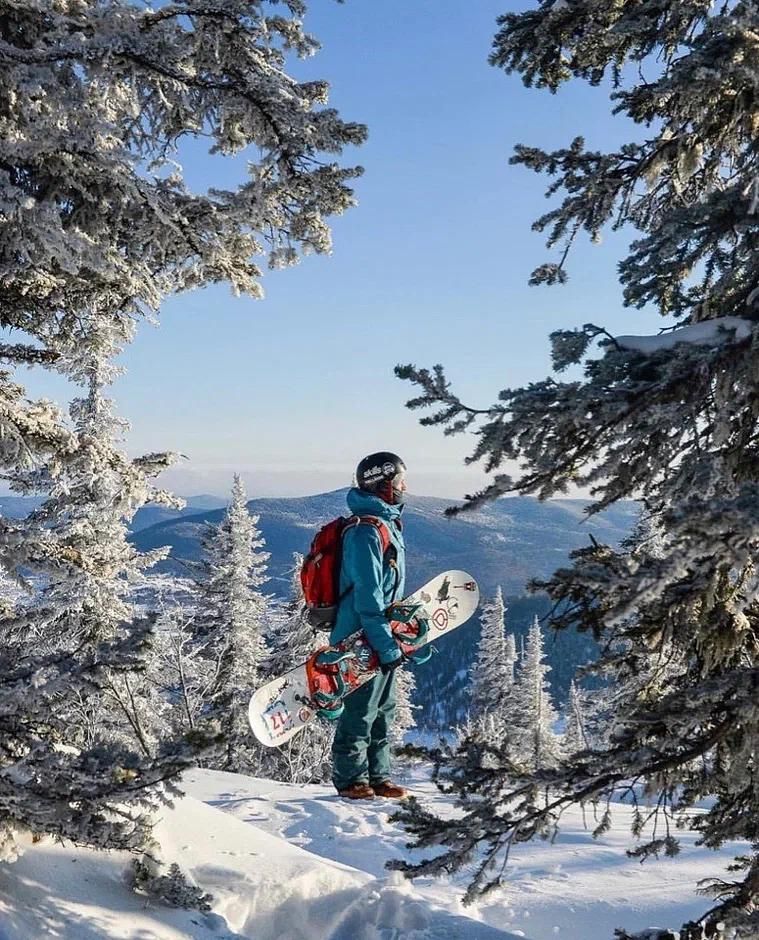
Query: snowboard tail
(283, 707)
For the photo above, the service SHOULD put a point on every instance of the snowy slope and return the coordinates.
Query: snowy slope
(296, 863)
(264, 887)
(578, 888)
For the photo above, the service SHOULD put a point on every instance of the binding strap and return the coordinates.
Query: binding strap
(326, 685)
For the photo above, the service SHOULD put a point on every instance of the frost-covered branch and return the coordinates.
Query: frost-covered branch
(669, 420)
(98, 225)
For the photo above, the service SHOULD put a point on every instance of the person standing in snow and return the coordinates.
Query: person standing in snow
(370, 581)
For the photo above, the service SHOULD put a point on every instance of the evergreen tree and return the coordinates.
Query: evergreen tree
(292, 638)
(633, 673)
(74, 636)
(405, 720)
(306, 757)
(85, 601)
(670, 420)
(100, 227)
(536, 745)
(492, 676)
(168, 698)
(576, 731)
(511, 658)
(232, 620)
(180, 670)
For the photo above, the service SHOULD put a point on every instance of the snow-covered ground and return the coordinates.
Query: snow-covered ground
(290, 863)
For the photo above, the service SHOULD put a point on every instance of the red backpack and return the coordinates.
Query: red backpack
(320, 574)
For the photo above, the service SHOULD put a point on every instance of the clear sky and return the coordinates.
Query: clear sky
(432, 266)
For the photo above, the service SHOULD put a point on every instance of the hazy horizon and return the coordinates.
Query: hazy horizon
(277, 485)
(293, 481)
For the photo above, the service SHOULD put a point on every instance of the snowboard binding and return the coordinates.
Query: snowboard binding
(326, 669)
(412, 633)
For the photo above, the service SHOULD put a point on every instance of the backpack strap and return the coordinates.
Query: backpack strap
(388, 549)
(379, 524)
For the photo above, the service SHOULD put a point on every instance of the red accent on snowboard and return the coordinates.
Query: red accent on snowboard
(322, 678)
(326, 679)
(440, 618)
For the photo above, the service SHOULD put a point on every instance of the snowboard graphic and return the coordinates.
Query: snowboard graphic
(282, 707)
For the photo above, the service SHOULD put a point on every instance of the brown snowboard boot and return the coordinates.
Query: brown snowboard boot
(357, 791)
(390, 791)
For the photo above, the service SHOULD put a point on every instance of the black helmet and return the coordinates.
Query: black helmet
(382, 473)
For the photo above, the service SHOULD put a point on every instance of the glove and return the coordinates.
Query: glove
(387, 668)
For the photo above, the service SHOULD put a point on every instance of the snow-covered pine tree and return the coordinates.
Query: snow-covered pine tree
(669, 419)
(99, 226)
(405, 719)
(536, 745)
(292, 637)
(576, 736)
(511, 657)
(84, 600)
(165, 699)
(492, 676)
(631, 672)
(74, 637)
(305, 758)
(180, 671)
(231, 619)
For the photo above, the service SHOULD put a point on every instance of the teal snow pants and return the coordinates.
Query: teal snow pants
(361, 750)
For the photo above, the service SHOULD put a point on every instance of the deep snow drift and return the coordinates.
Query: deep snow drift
(286, 863)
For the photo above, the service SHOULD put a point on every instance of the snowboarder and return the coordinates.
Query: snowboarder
(370, 582)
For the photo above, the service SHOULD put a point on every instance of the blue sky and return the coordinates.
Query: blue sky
(432, 266)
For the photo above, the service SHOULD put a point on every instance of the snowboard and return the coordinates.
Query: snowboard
(283, 707)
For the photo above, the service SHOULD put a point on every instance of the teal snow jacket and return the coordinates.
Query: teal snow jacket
(369, 582)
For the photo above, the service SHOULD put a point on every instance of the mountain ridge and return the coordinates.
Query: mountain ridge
(510, 541)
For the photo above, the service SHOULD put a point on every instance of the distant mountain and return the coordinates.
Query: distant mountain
(205, 501)
(151, 515)
(506, 543)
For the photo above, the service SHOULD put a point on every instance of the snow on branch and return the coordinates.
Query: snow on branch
(716, 332)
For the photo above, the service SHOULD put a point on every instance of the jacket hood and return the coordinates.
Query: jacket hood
(362, 503)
